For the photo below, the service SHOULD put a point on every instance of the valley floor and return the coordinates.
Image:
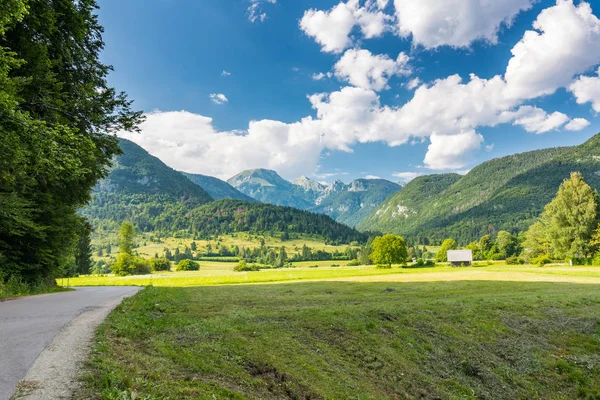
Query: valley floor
(356, 340)
(221, 273)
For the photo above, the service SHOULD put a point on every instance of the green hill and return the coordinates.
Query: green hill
(354, 202)
(505, 193)
(217, 188)
(227, 215)
(140, 188)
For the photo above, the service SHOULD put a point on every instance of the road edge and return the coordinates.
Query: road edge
(55, 373)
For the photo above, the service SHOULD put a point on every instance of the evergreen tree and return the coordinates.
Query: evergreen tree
(126, 236)
(83, 250)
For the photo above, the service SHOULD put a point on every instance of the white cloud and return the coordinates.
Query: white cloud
(368, 71)
(413, 83)
(456, 23)
(218, 98)
(332, 28)
(372, 177)
(587, 89)
(536, 120)
(565, 43)
(406, 177)
(450, 152)
(577, 124)
(321, 76)
(225, 73)
(189, 142)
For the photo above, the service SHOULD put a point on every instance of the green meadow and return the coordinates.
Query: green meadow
(450, 339)
(221, 273)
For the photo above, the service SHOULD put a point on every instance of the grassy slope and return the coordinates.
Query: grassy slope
(486, 340)
(484, 196)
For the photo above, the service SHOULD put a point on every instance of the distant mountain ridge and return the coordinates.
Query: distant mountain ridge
(348, 204)
(217, 188)
(352, 203)
(506, 193)
(155, 198)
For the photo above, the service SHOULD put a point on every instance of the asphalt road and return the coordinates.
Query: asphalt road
(28, 325)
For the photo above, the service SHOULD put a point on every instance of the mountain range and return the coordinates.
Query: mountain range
(140, 188)
(506, 193)
(346, 203)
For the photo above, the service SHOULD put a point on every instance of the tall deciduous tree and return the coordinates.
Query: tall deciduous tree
(389, 249)
(57, 114)
(570, 219)
(449, 244)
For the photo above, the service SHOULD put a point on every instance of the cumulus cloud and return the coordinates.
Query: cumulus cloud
(536, 120)
(225, 73)
(365, 70)
(455, 23)
(332, 28)
(450, 152)
(218, 98)
(189, 142)
(587, 89)
(565, 43)
(577, 124)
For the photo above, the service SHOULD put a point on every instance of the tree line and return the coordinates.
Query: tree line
(57, 118)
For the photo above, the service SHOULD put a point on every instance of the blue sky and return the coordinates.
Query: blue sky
(170, 57)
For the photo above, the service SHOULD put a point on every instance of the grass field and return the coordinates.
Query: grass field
(148, 248)
(353, 340)
(217, 273)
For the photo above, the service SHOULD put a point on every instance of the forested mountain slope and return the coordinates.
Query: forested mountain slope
(226, 216)
(140, 188)
(354, 202)
(217, 188)
(505, 193)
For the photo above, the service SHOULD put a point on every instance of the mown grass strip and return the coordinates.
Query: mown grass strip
(345, 340)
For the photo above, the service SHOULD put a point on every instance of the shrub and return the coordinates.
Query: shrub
(127, 264)
(313, 266)
(335, 265)
(421, 263)
(542, 260)
(160, 264)
(354, 263)
(514, 260)
(242, 266)
(187, 265)
(383, 266)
